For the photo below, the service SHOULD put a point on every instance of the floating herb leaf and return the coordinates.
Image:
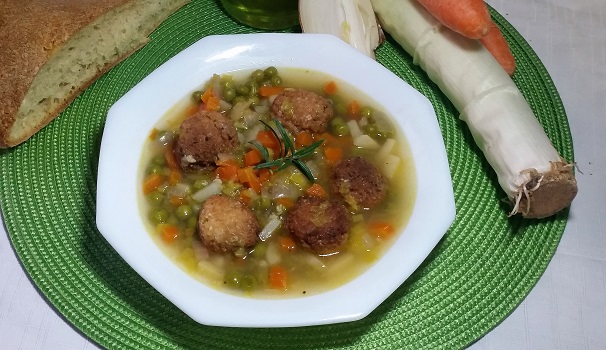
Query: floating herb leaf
(287, 155)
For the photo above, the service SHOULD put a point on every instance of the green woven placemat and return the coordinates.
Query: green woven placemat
(482, 269)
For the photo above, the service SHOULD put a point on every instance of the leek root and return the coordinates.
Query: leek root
(353, 21)
(536, 179)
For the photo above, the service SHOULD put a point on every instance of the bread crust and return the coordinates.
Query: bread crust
(30, 30)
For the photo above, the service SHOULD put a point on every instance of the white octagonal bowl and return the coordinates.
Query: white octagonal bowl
(130, 120)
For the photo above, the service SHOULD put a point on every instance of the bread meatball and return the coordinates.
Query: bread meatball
(318, 224)
(202, 137)
(359, 182)
(301, 110)
(225, 225)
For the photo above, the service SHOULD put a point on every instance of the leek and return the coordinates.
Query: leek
(536, 179)
(353, 21)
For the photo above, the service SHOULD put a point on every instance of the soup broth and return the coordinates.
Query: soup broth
(277, 264)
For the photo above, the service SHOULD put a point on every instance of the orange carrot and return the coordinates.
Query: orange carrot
(152, 182)
(228, 172)
(469, 18)
(264, 175)
(278, 277)
(496, 44)
(333, 154)
(303, 139)
(176, 200)
(206, 95)
(287, 243)
(381, 229)
(227, 162)
(266, 91)
(174, 177)
(353, 109)
(168, 232)
(316, 190)
(247, 176)
(212, 104)
(269, 140)
(285, 201)
(330, 87)
(252, 157)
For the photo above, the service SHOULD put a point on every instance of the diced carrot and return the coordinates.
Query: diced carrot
(496, 44)
(285, 201)
(152, 182)
(333, 154)
(303, 139)
(266, 91)
(176, 200)
(174, 177)
(329, 140)
(381, 229)
(252, 157)
(278, 277)
(212, 104)
(247, 176)
(191, 110)
(268, 139)
(316, 190)
(168, 232)
(169, 155)
(264, 175)
(287, 243)
(330, 87)
(469, 18)
(228, 172)
(353, 109)
(153, 134)
(206, 95)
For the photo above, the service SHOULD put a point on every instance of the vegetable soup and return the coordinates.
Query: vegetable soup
(276, 183)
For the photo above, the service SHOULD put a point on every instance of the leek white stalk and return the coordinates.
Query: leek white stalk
(353, 21)
(536, 179)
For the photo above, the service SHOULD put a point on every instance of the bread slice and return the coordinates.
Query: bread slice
(54, 49)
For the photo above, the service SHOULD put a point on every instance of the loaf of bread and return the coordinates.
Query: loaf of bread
(51, 50)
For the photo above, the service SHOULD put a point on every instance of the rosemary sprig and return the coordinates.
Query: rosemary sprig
(287, 155)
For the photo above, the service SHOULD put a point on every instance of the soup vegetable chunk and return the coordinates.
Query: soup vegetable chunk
(273, 183)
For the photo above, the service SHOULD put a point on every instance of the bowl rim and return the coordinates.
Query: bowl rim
(130, 119)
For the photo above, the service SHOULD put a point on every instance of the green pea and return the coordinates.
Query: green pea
(242, 90)
(339, 108)
(183, 211)
(229, 94)
(239, 99)
(197, 96)
(371, 130)
(339, 127)
(259, 251)
(232, 279)
(366, 112)
(270, 71)
(192, 222)
(254, 101)
(228, 84)
(276, 80)
(155, 198)
(158, 216)
(155, 169)
(258, 75)
(266, 83)
(248, 283)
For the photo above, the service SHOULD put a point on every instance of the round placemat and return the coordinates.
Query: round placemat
(481, 270)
